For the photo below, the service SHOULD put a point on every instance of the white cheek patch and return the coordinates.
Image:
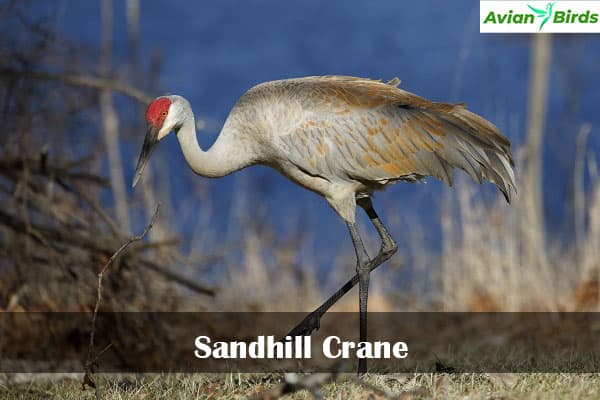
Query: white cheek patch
(167, 124)
(164, 131)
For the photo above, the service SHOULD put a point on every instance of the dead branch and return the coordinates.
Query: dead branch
(178, 278)
(59, 235)
(43, 167)
(69, 237)
(92, 359)
(89, 81)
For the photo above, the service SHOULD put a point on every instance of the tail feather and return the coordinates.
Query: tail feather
(445, 170)
(477, 147)
(497, 174)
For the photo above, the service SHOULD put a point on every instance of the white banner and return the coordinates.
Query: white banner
(539, 16)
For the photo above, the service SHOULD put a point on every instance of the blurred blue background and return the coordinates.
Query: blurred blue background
(214, 51)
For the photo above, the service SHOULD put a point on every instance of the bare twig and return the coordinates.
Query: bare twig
(159, 244)
(92, 202)
(92, 359)
(71, 238)
(90, 81)
(34, 165)
(177, 278)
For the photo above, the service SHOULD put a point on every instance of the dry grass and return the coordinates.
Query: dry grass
(485, 264)
(239, 386)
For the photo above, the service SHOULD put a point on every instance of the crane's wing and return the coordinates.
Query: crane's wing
(373, 132)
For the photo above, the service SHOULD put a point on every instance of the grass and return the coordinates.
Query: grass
(482, 270)
(239, 386)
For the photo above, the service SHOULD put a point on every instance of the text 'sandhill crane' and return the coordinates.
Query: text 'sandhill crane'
(342, 138)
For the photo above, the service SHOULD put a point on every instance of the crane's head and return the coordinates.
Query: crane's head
(162, 116)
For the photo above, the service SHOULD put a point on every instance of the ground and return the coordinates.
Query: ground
(239, 386)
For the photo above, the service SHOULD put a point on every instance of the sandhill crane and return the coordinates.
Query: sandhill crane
(342, 138)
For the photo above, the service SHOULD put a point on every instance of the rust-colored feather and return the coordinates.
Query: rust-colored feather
(376, 133)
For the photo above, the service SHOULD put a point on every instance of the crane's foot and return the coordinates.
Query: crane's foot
(310, 323)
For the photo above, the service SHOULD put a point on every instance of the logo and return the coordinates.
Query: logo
(538, 16)
(545, 14)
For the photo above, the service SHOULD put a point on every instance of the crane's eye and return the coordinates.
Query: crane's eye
(164, 113)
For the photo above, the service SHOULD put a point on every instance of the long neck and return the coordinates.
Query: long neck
(223, 158)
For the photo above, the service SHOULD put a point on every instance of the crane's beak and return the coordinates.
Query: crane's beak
(149, 143)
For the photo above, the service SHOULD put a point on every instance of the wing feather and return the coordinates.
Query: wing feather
(383, 133)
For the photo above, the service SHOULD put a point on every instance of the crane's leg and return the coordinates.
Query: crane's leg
(388, 245)
(387, 250)
(363, 270)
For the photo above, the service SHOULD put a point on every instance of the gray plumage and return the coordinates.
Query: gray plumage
(343, 138)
